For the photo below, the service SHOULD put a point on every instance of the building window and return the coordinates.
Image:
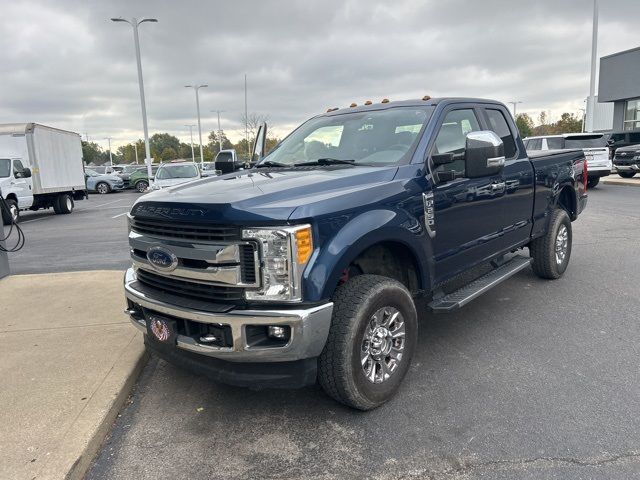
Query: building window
(632, 115)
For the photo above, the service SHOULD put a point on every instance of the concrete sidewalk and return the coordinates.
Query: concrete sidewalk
(618, 180)
(68, 360)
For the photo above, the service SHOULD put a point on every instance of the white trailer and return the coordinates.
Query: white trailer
(40, 167)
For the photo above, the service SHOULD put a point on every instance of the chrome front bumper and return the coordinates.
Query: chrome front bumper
(309, 328)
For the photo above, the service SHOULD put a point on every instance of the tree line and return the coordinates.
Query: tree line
(165, 147)
(568, 123)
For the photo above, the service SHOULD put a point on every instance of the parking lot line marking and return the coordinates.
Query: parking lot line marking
(119, 215)
(35, 219)
(109, 203)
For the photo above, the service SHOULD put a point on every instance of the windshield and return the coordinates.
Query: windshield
(177, 171)
(379, 137)
(131, 168)
(5, 167)
(91, 173)
(586, 141)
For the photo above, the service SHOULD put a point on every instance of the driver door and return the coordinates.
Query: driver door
(467, 217)
(21, 185)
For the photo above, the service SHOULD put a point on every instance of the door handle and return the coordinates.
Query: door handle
(497, 186)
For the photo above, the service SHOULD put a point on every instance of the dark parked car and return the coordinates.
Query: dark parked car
(627, 161)
(308, 267)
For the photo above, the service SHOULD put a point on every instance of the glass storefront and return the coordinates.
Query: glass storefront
(632, 115)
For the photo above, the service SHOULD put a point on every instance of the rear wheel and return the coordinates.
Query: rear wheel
(552, 251)
(371, 341)
(63, 205)
(626, 174)
(13, 215)
(142, 186)
(103, 188)
(593, 182)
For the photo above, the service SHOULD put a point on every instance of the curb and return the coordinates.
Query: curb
(84, 438)
(631, 182)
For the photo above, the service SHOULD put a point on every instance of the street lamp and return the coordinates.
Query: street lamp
(219, 129)
(193, 156)
(196, 88)
(514, 103)
(134, 22)
(110, 157)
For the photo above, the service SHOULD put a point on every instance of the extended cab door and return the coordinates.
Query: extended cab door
(467, 211)
(516, 201)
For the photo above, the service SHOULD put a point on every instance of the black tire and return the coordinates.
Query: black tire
(341, 372)
(141, 186)
(63, 205)
(103, 188)
(626, 174)
(546, 261)
(593, 182)
(13, 215)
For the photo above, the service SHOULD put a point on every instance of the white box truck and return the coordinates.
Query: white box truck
(40, 167)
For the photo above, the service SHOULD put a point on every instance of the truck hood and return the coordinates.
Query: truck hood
(261, 196)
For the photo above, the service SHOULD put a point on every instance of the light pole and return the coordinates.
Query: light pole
(592, 81)
(110, 157)
(583, 114)
(219, 129)
(514, 103)
(135, 147)
(193, 155)
(134, 22)
(196, 88)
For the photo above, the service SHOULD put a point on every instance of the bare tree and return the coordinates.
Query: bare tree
(253, 122)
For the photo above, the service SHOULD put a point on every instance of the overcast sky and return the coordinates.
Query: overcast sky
(64, 63)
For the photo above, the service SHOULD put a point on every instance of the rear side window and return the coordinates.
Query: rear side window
(534, 144)
(585, 141)
(499, 125)
(555, 143)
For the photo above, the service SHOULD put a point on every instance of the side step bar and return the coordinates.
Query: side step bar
(472, 290)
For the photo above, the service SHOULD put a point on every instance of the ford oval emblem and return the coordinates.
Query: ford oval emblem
(162, 259)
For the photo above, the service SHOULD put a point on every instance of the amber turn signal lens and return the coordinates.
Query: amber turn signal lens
(304, 245)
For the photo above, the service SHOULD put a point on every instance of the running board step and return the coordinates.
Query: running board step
(472, 290)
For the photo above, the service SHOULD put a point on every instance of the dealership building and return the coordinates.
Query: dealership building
(619, 85)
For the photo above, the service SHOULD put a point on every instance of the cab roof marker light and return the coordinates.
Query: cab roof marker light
(385, 100)
(353, 105)
(368, 102)
(426, 97)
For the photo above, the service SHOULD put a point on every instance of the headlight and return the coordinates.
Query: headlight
(285, 253)
(155, 186)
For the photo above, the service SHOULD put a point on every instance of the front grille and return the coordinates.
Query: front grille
(184, 231)
(184, 288)
(248, 264)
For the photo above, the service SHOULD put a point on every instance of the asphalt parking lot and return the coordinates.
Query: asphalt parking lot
(537, 379)
(93, 237)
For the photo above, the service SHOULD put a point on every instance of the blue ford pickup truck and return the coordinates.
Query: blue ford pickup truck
(307, 267)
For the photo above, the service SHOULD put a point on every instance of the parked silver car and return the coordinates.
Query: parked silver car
(101, 183)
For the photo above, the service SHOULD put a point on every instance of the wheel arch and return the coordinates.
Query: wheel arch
(566, 199)
(374, 229)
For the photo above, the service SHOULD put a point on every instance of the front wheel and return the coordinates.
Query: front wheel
(593, 182)
(626, 174)
(142, 186)
(13, 215)
(103, 188)
(552, 251)
(371, 341)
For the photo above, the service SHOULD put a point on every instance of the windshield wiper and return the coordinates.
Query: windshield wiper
(326, 161)
(269, 163)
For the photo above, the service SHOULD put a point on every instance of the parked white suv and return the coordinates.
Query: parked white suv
(594, 146)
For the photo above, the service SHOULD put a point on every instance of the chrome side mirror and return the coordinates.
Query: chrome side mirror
(484, 154)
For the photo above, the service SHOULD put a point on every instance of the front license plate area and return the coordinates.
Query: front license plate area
(161, 329)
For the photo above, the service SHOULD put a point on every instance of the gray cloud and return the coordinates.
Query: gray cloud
(64, 63)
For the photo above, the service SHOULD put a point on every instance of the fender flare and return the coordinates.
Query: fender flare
(357, 235)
